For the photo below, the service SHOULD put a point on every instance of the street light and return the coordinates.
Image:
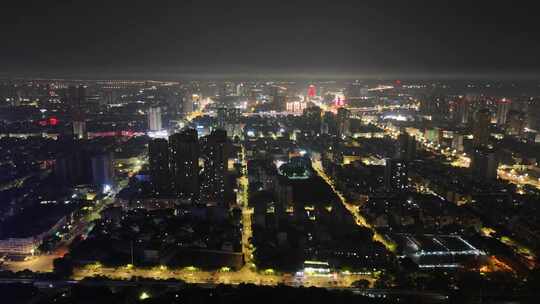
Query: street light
(144, 295)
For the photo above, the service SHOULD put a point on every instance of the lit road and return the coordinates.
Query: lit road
(247, 212)
(529, 258)
(39, 263)
(44, 262)
(247, 274)
(356, 110)
(512, 175)
(381, 108)
(203, 103)
(193, 115)
(222, 276)
(353, 209)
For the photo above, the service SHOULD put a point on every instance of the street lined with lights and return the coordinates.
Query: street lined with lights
(353, 209)
(248, 273)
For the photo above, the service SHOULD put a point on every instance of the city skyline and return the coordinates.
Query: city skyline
(205, 151)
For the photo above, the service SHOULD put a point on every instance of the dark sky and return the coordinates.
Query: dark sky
(353, 36)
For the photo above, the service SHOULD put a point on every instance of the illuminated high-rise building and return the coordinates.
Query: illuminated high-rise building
(461, 110)
(484, 164)
(434, 135)
(103, 170)
(406, 148)
(279, 98)
(228, 119)
(79, 129)
(457, 142)
(343, 122)
(72, 96)
(296, 106)
(76, 95)
(481, 125)
(226, 89)
(79, 126)
(329, 123)
(82, 94)
(110, 96)
(174, 102)
(355, 91)
(187, 104)
(221, 117)
(503, 106)
(154, 119)
(312, 91)
(73, 167)
(435, 106)
(515, 123)
(158, 159)
(396, 175)
(313, 118)
(184, 156)
(533, 114)
(215, 168)
(240, 89)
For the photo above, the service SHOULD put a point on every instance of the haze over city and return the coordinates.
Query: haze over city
(297, 37)
(278, 152)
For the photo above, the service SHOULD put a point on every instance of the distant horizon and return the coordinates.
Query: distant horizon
(192, 74)
(294, 39)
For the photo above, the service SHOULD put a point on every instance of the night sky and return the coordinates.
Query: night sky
(204, 36)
